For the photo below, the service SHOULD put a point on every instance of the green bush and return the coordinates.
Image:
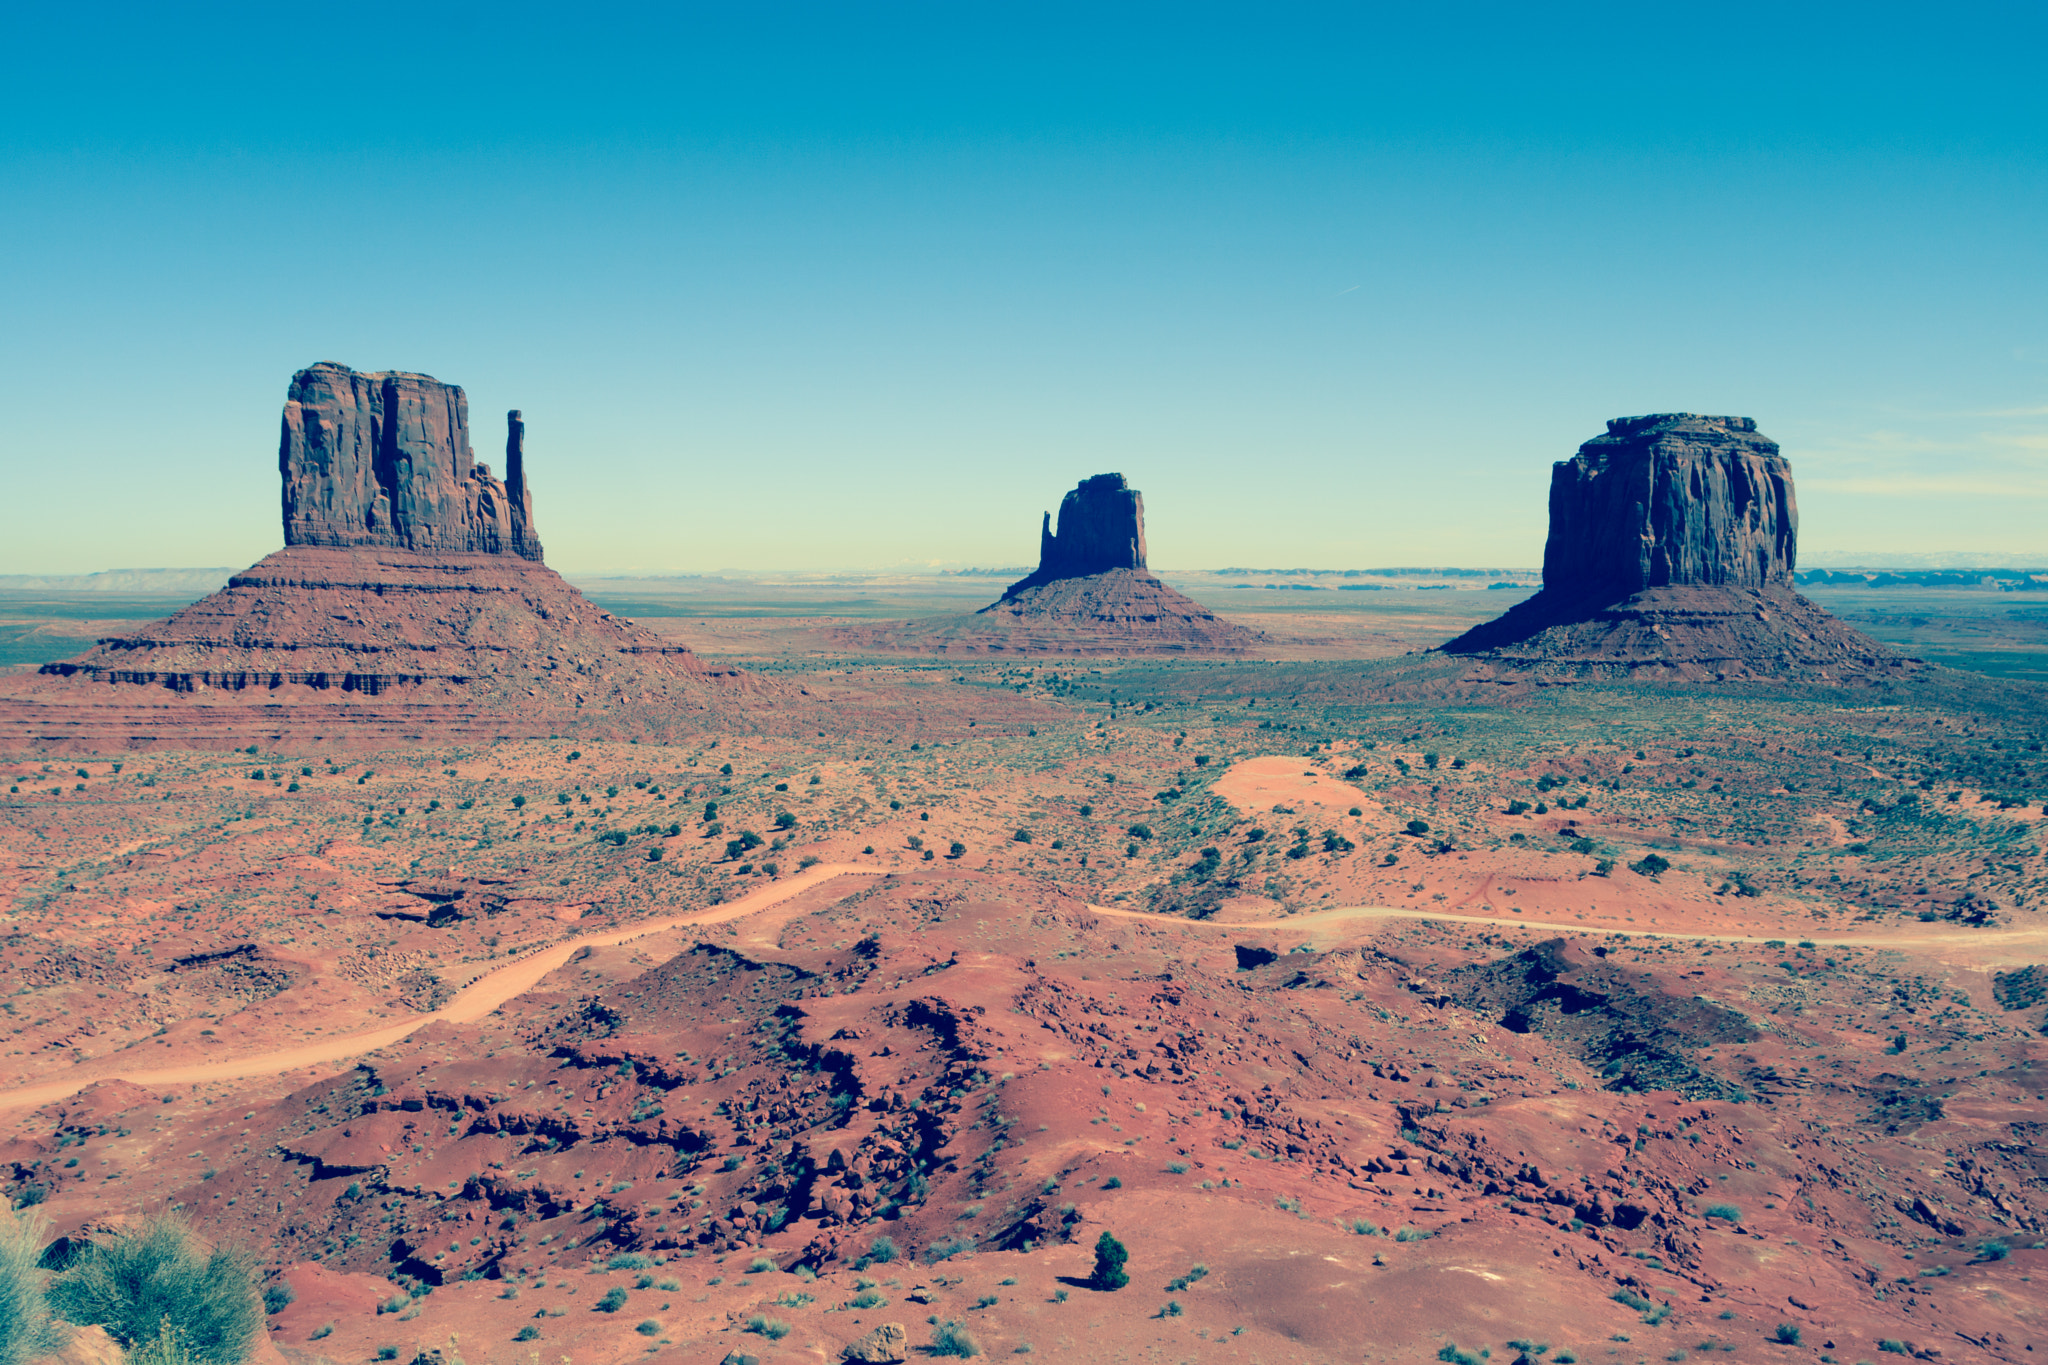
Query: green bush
(883, 1250)
(26, 1329)
(136, 1282)
(527, 1333)
(775, 1329)
(1787, 1334)
(1109, 1264)
(614, 1299)
(629, 1260)
(1450, 1352)
(1724, 1211)
(951, 1338)
(1650, 865)
(649, 1328)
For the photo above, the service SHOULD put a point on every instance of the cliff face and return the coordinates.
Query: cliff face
(1672, 543)
(1101, 527)
(1671, 499)
(383, 461)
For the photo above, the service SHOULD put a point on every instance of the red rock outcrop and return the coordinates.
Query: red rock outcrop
(1090, 595)
(383, 460)
(410, 575)
(1672, 543)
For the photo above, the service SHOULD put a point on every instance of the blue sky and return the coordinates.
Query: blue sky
(868, 286)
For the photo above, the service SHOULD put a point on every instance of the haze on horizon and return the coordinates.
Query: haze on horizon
(801, 287)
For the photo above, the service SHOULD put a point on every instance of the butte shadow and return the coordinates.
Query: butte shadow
(1090, 595)
(410, 592)
(1672, 543)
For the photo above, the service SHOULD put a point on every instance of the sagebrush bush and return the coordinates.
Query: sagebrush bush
(951, 1338)
(26, 1329)
(134, 1282)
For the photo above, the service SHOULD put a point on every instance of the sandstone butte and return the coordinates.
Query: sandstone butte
(1090, 595)
(410, 592)
(1672, 542)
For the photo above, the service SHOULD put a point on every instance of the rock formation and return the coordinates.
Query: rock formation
(1091, 594)
(1102, 527)
(408, 569)
(383, 460)
(1672, 543)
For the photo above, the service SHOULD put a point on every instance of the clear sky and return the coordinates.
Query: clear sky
(868, 285)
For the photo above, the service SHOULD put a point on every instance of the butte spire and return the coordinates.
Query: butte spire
(412, 574)
(1090, 595)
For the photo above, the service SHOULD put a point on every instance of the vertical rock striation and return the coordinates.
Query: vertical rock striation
(383, 460)
(1672, 543)
(1669, 499)
(1101, 527)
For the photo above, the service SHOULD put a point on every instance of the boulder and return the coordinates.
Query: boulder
(887, 1343)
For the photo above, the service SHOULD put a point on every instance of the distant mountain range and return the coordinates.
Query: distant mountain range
(130, 582)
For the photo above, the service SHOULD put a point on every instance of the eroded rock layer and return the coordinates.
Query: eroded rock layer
(384, 460)
(1672, 543)
(1121, 612)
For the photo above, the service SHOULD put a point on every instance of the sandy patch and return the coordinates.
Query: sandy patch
(1259, 784)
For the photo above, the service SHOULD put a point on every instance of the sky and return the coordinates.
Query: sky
(869, 286)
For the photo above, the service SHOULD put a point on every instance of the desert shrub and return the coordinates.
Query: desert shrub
(760, 1265)
(1650, 865)
(1450, 1352)
(951, 1338)
(867, 1298)
(1728, 1212)
(1411, 1235)
(1176, 1168)
(1141, 831)
(883, 1250)
(323, 1331)
(1787, 1334)
(775, 1329)
(1110, 1256)
(166, 1348)
(1113, 1183)
(1365, 1227)
(1892, 1347)
(629, 1260)
(614, 1299)
(946, 1248)
(1632, 1300)
(1994, 1251)
(26, 1329)
(395, 1304)
(527, 1333)
(135, 1282)
(649, 1328)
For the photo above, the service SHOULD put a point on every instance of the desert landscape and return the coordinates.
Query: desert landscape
(1211, 966)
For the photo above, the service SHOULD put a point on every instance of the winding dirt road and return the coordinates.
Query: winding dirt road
(472, 1003)
(522, 974)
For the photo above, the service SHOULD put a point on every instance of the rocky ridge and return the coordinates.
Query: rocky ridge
(1673, 539)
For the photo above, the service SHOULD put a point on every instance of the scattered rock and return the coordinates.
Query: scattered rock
(886, 1344)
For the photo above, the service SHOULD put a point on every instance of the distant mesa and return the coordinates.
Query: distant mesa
(409, 568)
(1673, 539)
(1090, 595)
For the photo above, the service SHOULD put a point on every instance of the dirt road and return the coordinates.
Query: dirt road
(471, 1004)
